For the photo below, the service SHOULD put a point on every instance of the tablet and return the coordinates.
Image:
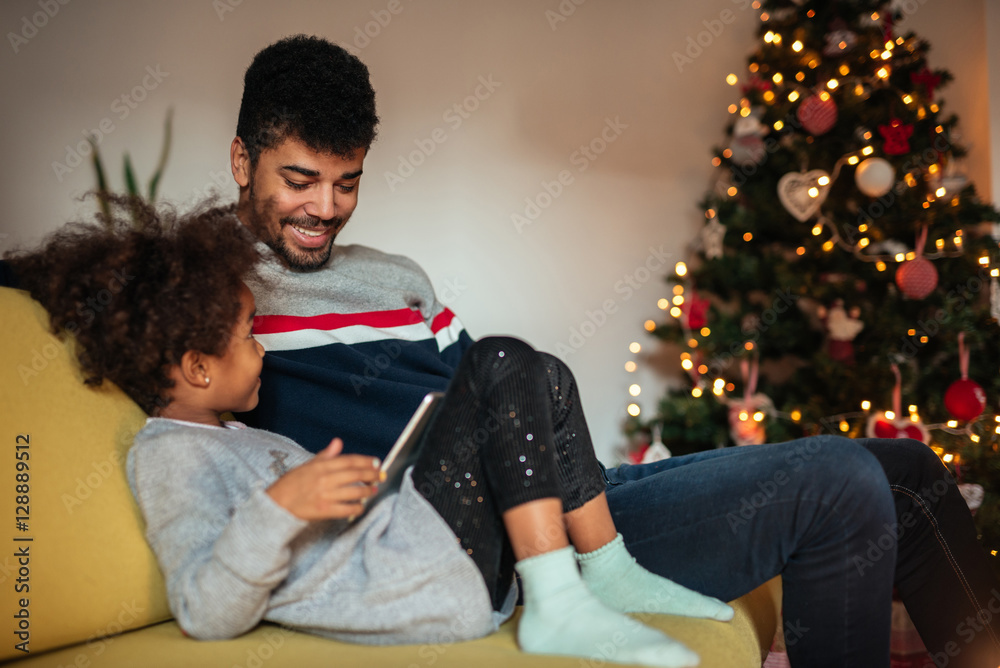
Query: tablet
(400, 455)
(403, 451)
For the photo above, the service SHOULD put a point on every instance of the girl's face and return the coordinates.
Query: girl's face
(236, 374)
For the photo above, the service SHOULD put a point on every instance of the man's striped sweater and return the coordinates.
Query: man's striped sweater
(351, 348)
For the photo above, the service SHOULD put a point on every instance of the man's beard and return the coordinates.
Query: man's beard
(296, 259)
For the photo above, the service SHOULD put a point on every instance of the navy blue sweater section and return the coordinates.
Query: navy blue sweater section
(373, 388)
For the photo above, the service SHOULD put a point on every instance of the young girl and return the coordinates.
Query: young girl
(248, 526)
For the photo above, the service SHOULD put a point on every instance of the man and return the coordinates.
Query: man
(356, 337)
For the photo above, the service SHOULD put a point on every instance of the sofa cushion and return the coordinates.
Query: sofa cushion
(88, 571)
(736, 644)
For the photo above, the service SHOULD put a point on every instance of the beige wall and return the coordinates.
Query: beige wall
(556, 86)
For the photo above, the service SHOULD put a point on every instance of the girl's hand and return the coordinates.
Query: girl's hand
(328, 486)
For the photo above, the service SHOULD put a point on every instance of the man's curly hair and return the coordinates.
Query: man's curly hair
(310, 89)
(140, 289)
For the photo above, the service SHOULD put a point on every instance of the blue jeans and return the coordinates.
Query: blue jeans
(841, 521)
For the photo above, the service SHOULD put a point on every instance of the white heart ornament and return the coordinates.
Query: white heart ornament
(793, 191)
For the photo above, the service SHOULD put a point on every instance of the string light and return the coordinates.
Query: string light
(832, 84)
(687, 364)
(866, 405)
(634, 389)
(794, 95)
(663, 303)
(634, 410)
(777, 78)
(676, 312)
(796, 415)
(731, 79)
(890, 415)
(797, 46)
(630, 366)
(649, 325)
(695, 392)
(778, 125)
(680, 268)
(853, 160)
(678, 300)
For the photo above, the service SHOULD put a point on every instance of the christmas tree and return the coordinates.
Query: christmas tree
(845, 278)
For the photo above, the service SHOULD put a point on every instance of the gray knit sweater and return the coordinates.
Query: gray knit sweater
(232, 557)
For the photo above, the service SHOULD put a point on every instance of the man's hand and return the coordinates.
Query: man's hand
(328, 486)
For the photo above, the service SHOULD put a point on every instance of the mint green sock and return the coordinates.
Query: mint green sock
(562, 616)
(621, 583)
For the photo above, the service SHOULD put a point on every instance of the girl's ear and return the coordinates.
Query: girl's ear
(195, 369)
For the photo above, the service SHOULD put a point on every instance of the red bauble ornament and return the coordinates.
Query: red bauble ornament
(917, 278)
(817, 114)
(965, 399)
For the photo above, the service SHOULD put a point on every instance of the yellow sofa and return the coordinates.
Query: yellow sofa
(81, 588)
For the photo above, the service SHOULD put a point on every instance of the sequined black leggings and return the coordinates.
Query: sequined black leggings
(510, 430)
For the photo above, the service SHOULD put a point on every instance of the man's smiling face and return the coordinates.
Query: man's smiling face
(296, 200)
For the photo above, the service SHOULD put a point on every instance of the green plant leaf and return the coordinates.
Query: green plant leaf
(154, 181)
(102, 181)
(130, 182)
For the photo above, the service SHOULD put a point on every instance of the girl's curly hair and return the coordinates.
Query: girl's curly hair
(140, 288)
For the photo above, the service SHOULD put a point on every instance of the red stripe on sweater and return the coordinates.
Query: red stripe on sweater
(442, 320)
(278, 324)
